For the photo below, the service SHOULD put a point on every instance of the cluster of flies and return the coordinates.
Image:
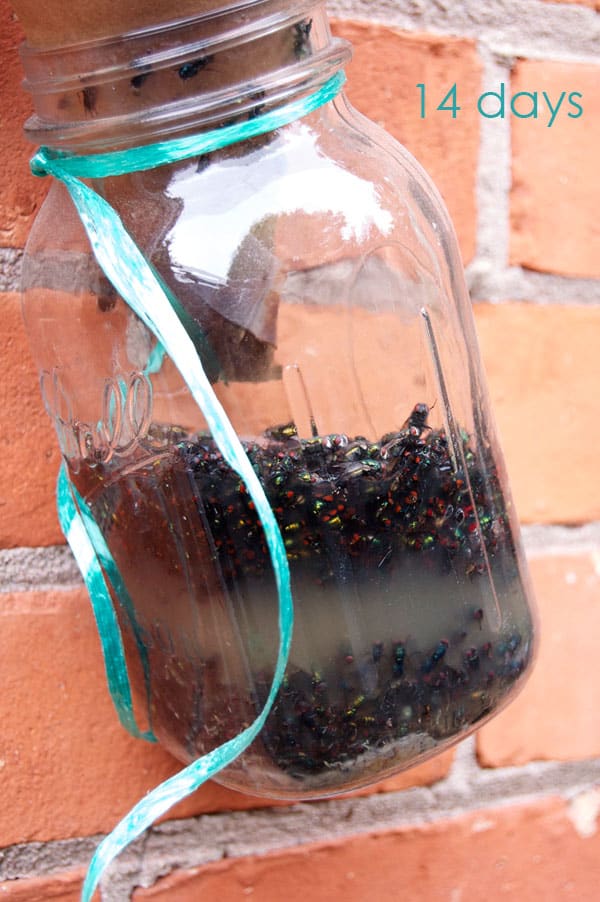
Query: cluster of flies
(349, 506)
(315, 725)
(353, 512)
(352, 509)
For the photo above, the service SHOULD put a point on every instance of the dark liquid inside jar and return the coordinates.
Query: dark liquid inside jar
(398, 550)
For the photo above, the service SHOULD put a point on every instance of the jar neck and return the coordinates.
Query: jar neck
(191, 75)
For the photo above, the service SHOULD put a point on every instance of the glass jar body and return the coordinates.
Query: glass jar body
(318, 275)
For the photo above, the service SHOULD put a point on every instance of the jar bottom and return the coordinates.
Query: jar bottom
(392, 701)
(412, 624)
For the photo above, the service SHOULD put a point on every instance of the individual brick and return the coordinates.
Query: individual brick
(61, 744)
(542, 368)
(20, 193)
(30, 455)
(520, 852)
(61, 887)
(556, 715)
(382, 77)
(555, 193)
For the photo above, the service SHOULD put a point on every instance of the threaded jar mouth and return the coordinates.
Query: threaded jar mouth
(154, 82)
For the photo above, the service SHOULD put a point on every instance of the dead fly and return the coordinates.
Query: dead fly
(188, 70)
(302, 37)
(89, 96)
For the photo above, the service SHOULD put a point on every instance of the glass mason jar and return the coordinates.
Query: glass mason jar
(317, 272)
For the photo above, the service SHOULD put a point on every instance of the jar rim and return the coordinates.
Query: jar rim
(96, 95)
(62, 68)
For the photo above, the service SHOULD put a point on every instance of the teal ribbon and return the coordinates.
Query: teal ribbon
(136, 159)
(143, 290)
(94, 559)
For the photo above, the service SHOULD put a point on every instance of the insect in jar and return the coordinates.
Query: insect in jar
(302, 37)
(283, 433)
(417, 419)
(89, 96)
(138, 80)
(188, 70)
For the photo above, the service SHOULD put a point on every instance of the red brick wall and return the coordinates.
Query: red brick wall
(512, 813)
